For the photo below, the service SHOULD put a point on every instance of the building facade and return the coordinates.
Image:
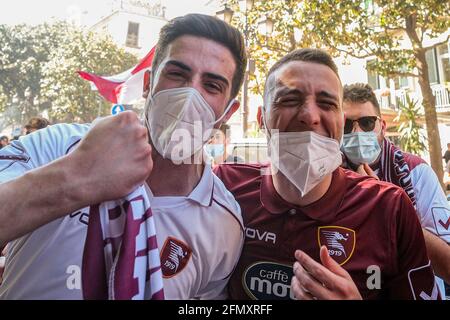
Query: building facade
(133, 25)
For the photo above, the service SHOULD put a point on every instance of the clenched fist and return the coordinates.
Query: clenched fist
(112, 159)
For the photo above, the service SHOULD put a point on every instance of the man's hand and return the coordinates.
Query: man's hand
(313, 281)
(365, 170)
(114, 157)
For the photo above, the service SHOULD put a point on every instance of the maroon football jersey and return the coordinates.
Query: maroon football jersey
(369, 227)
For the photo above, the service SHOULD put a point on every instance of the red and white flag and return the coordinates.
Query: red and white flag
(125, 87)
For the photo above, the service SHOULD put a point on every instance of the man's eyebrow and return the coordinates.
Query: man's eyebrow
(179, 64)
(185, 67)
(216, 76)
(281, 91)
(326, 94)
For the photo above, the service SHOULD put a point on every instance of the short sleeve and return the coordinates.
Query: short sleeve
(432, 205)
(38, 149)
(414, 277)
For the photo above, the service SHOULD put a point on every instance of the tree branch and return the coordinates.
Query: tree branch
(411, 23)
(368, 55)
(358, 44)
(402, 74)
(387, 28)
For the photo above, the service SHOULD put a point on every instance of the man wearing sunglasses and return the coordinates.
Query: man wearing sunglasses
(369, 152)
(309, 220)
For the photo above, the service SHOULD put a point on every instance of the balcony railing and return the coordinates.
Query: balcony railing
(442, 95)
(440, 91)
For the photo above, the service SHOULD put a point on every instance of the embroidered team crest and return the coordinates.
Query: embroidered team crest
(175, 255)
(339, 241)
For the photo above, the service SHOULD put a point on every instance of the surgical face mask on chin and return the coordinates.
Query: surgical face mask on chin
(305, 158)
(361, 147)
(180, 122)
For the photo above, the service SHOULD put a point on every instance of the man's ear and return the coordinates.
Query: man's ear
(259, 118)
(234, 107)
(383, 127)
(146, 84)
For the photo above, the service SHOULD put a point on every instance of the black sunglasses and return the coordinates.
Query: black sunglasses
(365, 123)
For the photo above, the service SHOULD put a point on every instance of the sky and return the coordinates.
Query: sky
(87, 11)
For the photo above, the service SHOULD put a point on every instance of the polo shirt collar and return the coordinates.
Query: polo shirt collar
(323, 209)
(203, 192)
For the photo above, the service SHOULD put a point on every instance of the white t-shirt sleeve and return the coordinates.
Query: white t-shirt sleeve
(432, 206)
(37, 149)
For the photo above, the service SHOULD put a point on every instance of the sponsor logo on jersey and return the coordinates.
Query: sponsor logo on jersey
(82, 215)
(268, 281)
(422, 283)
(340, 242)
(175, 255)
(441, 217)
(261, 235)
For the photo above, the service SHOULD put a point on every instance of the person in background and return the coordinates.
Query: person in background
(4, 141)
(218, 147)
(369, 152)
(36, 123)
(446, 158)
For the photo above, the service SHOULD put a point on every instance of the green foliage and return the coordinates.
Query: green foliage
(411, 138)
(394, 32)
(38, 67)
(71, 96)
(361, 29)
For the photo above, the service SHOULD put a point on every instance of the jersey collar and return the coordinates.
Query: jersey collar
(202, 194)
(325, 209)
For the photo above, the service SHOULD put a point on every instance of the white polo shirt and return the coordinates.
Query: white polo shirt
(200, 236)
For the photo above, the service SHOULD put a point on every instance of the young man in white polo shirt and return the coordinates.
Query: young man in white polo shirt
(50, 178)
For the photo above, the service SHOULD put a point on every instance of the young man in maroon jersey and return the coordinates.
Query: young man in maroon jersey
(361, 229)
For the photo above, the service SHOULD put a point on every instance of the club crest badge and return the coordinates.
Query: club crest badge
(175, 255)
(340, 242)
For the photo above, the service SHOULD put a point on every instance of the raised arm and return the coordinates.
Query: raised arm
(109, 162)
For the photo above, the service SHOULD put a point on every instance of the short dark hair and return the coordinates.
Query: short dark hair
(306, 55)
(361, 93)
(37, 123)
(210, 28)
(4, 138)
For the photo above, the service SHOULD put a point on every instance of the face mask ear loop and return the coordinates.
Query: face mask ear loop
(146, 121)
(225, 112)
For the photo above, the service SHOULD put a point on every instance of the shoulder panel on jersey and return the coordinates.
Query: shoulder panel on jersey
(413, 160)
(236, 214)
(226, 200)
(235, 174)
(366, 183)
(51, 143)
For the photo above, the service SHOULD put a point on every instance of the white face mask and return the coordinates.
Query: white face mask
(305, 158)
(180, 122)
(361, 147)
